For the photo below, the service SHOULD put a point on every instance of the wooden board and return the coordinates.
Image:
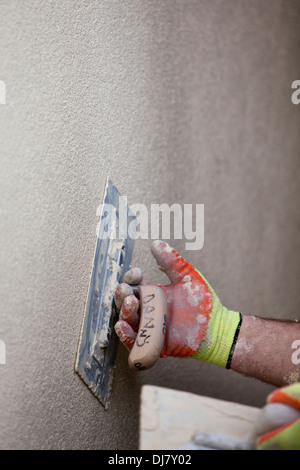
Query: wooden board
(169, 418)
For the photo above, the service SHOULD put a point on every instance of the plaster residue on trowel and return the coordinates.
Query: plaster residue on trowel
(115, 247)
(109, 386)
(113, 271)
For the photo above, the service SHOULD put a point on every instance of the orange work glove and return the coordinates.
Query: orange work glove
(282, 415)
(197, 325)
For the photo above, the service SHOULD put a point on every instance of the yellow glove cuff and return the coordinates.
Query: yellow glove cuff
(221, 335)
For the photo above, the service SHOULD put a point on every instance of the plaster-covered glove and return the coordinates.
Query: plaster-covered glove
(280, 420)
(197, 325)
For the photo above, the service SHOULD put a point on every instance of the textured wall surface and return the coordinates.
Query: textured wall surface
(179, 101)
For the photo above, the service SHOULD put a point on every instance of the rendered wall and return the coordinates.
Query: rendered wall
(178, 101)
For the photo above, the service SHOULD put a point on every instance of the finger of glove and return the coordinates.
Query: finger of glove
(125, 333)
(169, 261)
(290, 395)
(133, 276)
(121, 292)
(273, 416)
(285, 438)
(129, 311)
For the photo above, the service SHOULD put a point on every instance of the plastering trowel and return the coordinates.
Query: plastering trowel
(96, 353)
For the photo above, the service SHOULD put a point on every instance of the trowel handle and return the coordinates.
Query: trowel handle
(150, 337)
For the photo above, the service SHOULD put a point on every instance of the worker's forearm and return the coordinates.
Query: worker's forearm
(267, 350)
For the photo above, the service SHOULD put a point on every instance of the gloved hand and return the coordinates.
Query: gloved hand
(278, 426)
(197, 326)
